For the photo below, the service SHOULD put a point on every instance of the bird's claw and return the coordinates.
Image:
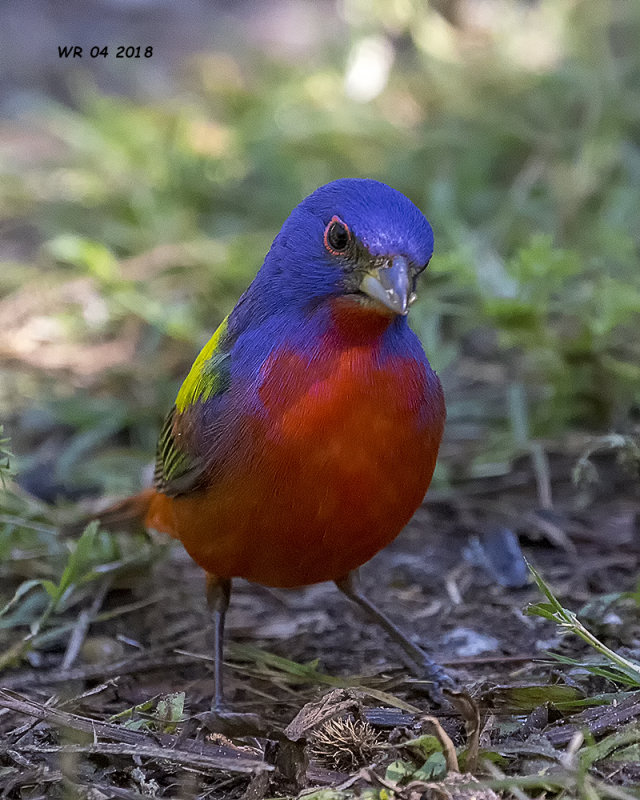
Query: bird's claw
(232, 723)
(437, 682)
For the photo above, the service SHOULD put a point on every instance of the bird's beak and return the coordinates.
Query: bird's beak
(390, 285)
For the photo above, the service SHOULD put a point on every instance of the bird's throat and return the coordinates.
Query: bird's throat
(357, 319)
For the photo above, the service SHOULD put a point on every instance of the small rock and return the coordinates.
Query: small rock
(468, 642)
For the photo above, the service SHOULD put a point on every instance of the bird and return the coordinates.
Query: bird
(305, 435)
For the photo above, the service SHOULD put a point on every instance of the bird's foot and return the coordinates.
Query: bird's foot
(434, 680)
(221, 719)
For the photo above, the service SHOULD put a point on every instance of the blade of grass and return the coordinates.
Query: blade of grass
(569, 623)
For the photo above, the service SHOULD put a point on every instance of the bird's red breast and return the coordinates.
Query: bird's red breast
(329, 473)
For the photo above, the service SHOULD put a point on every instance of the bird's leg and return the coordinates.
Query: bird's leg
(218, 595)
(220, 719)
(418, 661)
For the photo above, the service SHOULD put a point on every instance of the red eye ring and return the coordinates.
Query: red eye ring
(337, 236)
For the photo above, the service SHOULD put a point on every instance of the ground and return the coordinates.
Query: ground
(290, 648)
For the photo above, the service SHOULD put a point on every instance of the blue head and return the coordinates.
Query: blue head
(354, 238)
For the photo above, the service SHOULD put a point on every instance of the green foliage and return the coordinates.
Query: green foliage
(162, 713)
(403, 772)
(44, 605)
(521, 156)
(91, 551)
(152, 218)
(5, 459)
(614, 666)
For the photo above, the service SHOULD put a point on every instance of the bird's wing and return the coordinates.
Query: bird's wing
(183, 454)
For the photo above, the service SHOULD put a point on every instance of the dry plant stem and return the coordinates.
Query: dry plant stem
(95, 789)
(216, 756)
(448, 748)
(540, 463)
(470, 713)
(81, 628)
(598, 721)
(185, 758)
(497, 773)
(373, 778)
(115, 669)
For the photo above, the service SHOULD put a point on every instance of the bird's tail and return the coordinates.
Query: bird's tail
(126, 515)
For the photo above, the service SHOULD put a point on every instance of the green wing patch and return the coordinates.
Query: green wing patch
(210, 373)
(176, 469)
(179, 464)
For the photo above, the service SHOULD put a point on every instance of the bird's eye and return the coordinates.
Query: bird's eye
(337, 236)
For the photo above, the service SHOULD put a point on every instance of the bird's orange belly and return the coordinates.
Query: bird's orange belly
(329, 476)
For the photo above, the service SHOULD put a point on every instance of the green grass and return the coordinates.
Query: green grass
(528, 175)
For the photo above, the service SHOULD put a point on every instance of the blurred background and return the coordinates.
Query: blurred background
(139, 196)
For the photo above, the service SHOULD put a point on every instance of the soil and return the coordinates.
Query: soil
(429, 581)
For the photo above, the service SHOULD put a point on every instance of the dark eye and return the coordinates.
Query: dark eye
(337, 236)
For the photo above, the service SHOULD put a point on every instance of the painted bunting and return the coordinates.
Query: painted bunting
(306, 433)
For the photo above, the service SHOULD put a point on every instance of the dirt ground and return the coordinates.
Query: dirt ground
(429, 580)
